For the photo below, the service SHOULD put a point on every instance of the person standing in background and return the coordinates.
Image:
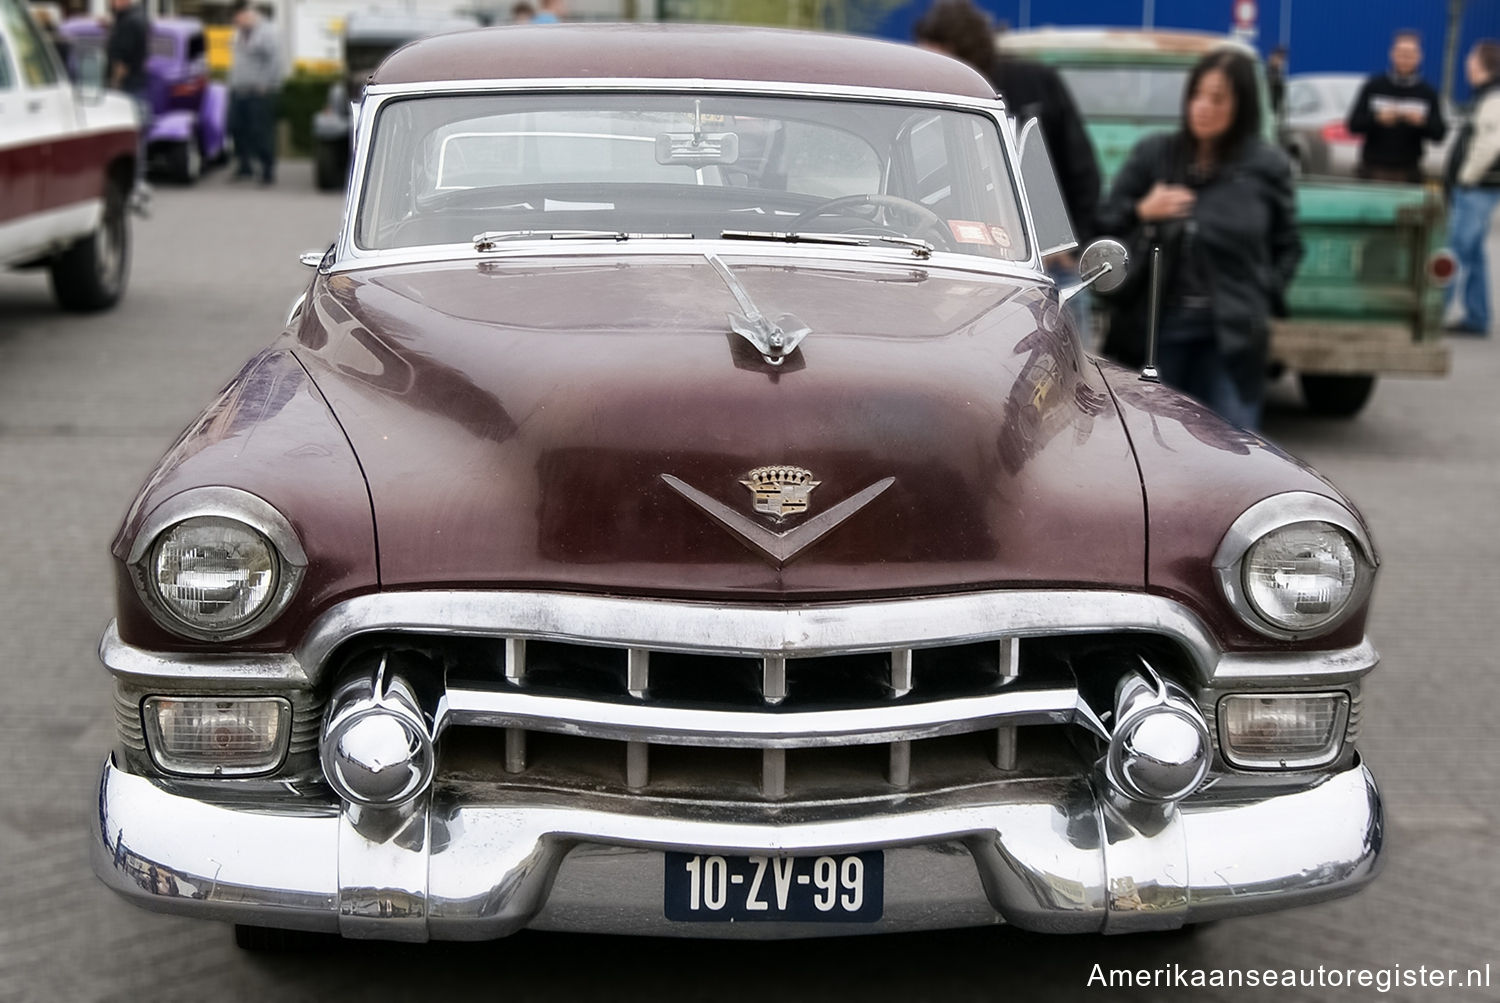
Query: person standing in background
(254, 82)
(1030, 90)
(125, 52)
(1474, 183)
(1276, 80)
(1396, 112)
(1218, 200)
(550, 12)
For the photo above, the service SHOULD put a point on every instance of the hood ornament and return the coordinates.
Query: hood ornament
(780, 491)
(783, 546)
(773, 339)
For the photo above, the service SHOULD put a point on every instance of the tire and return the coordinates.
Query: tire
(91, 274)
(185, 162)
(1336, 396)
(329, 168)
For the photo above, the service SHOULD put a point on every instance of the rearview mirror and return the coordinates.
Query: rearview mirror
(697, 148)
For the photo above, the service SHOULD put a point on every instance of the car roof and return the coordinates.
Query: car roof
(1132, 41)
(677, 52)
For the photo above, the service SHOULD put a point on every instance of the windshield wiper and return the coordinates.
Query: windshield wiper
(490, 239)
(920, 248)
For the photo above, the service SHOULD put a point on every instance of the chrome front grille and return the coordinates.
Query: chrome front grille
(640, 718)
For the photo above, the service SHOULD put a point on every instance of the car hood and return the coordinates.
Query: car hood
(593, 423)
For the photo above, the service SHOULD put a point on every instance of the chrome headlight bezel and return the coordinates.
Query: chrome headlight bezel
(235, 505)
(1279, 512)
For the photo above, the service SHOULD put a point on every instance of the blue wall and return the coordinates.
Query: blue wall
(1322, 35)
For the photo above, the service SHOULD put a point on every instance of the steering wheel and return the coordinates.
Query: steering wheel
(930, 226)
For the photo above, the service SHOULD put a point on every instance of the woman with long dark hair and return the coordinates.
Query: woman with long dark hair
(1218, 200)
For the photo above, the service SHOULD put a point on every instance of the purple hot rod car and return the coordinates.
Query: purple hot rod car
(189, 112)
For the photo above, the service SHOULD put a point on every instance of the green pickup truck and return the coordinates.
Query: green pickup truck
(1366, 302)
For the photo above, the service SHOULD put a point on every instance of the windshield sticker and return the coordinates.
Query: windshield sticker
(968, 232)
(1000, 237)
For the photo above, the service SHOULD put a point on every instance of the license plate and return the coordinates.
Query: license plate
(843, 888)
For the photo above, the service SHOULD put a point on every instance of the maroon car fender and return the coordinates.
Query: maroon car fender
(270, 433)
(1199, 473)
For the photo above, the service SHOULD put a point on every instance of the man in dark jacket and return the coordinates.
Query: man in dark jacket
(126, 51)
(1396, 112)
(1029, 90)
(127, 48)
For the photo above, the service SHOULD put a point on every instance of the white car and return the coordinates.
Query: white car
(67, 165)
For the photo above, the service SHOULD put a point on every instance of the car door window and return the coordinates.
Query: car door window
(37, 67)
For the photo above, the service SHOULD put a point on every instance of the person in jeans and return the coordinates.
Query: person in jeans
(1474, 182)
(1219, 202)
(1396, 112)
(254, 81)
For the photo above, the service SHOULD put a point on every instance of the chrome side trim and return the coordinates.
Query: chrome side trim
(1270, 514)
(1049, 856)
(665, 725)
(173, 671)
(748, 631)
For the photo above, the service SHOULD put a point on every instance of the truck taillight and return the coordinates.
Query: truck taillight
(1338, 132)
(1441, 267)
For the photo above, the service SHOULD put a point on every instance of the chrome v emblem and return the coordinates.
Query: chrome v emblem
(783, 546)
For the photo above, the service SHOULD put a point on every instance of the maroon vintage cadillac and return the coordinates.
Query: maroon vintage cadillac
(681, 504)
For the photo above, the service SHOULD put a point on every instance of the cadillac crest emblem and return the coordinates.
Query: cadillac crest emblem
(780, 491)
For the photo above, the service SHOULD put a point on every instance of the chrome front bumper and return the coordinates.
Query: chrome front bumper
(472, 862)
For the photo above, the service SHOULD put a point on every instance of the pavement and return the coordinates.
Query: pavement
(87, 404)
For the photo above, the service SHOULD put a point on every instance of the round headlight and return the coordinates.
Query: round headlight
(214, 574)
(1302, 576)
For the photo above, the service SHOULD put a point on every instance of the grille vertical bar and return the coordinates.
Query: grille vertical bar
(637, 765)
(901, 674)
(638, 672)
(899, 771)
(773, 678)
(773, 773)
(1010, 669)
(515, 738)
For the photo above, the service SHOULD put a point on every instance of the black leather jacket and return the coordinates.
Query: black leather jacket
(1243, 230)
(1034, 90)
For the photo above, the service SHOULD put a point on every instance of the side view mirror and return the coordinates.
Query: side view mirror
(1102, 264)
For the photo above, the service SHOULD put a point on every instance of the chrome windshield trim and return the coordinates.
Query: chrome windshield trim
(780, 88)
(757, 729)
(748, 630)
(348, 255)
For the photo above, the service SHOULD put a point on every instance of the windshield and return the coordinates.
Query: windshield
(1134, 92)
(443, 169)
